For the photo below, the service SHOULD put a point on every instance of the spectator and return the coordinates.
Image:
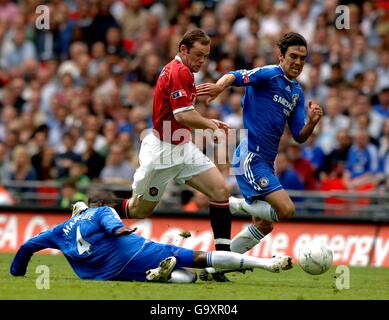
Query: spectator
(332, 122)
(302, 166)
(384, 140)
(313, 153)
(5, 166)
(93, 160)
(70, 195)
(22, 169)
(289, 178)
(17, 52)
(383, 102)
(65, 159)
(362, 161)
(117, 169)
(337, 159)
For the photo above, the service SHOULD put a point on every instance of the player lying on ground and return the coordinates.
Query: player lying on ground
(99, 246)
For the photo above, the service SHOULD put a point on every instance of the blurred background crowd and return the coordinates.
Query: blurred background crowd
(74, 99)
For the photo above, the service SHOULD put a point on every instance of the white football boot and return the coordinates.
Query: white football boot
(163, 272)
(280, 263)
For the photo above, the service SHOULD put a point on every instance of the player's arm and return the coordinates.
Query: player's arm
(182, 104)
(238, 78)
(41, 241)
(194, 120)
(315, 113)
(299, 129)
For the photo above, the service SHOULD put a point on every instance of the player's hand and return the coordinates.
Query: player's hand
(315, 112)
(208, 89)
(124, 231)
(221, 125)
(221, 133)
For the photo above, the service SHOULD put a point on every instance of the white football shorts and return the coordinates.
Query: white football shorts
(160, 162)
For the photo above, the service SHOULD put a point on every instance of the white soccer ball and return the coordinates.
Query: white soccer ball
(315, 258)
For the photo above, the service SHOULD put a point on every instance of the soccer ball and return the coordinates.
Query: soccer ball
(315, 258)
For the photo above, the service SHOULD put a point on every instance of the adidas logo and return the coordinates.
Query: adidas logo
(288, 88)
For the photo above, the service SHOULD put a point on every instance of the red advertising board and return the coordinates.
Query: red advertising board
(352, 244)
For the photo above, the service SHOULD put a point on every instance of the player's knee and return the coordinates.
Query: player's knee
(286, 212)
(221, 193)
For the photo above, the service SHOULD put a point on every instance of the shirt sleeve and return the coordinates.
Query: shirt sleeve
(180, 91)
(41, 241)
(110, 220)
(296, 121)
(244, 78)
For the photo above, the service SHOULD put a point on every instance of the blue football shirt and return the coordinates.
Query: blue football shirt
(88, 242)
(271, 101)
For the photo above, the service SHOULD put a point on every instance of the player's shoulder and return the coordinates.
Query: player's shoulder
(272, 68)
(269, 71)
(180, 69)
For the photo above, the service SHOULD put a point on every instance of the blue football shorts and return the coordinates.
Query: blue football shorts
(255, 177)
(150, 257)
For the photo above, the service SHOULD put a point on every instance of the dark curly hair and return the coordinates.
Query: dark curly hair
(101, 197)
(291, 39)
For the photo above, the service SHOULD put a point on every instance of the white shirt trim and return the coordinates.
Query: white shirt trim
(177, 57)
(182, 109)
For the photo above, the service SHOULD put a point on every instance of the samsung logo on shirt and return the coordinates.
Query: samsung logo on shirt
(287, 104)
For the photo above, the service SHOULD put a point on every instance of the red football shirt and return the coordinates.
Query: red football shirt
(175, 92)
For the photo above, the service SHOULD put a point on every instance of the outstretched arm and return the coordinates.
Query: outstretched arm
(41, 241)
(214, 89)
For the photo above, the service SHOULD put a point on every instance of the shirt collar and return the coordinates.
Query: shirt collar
(177, 57)
(291, 81)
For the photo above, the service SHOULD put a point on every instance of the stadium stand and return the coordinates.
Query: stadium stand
(72, 93)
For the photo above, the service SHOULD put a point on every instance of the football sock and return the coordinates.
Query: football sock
(246, 239)
(259, 209)
(220, 216)
(232, 260)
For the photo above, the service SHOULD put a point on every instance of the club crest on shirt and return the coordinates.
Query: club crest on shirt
(263, 182)
(153, 191)
(295, 98)
(178, 94)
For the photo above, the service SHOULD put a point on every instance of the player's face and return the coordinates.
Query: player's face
(293, 61)
(195, 56)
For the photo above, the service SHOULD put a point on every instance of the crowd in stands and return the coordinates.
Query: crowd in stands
(76, 97)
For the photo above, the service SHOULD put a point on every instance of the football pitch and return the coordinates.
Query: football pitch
(365, 283)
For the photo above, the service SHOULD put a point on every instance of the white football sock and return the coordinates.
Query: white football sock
(259, 209)
(246, 239)
(231, 260)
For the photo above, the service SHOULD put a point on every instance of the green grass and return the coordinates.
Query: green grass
(365, 283)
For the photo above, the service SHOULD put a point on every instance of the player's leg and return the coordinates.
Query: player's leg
(250, 236)
(280, 202)
(200, 173)
(277, 206)
(224, 260)
(212, 184)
